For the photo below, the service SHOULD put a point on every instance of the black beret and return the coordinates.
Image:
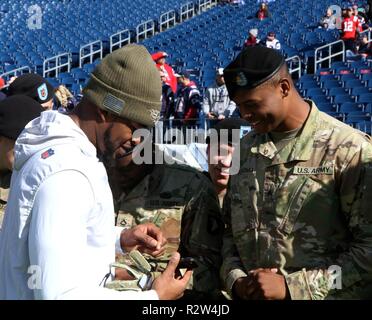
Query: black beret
(252, 67)
(15, 112)
(32, 85)
(229, 124)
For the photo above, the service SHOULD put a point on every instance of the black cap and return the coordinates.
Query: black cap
(229, 124)
(15, 112)
(32, 85)
(252, 67)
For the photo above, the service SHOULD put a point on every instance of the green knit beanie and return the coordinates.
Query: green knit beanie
(127, 84)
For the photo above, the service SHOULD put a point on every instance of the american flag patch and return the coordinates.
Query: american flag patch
(113, 104)
(47, 154)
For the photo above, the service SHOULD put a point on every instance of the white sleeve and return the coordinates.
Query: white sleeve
(206, 102)
(58, 242)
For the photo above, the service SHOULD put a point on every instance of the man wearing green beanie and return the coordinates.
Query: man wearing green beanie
(62, 214)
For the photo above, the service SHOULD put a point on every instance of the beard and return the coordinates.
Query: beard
(122, 178)
(107, 156)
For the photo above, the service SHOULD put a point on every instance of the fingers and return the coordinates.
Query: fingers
(187, 276)
(155, 254)
(156, 233)
(146, 240)
(172, 264)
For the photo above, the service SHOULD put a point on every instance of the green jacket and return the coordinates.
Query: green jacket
(303, 209)
(182, 202)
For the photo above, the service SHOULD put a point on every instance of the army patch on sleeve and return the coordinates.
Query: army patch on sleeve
(328, 170)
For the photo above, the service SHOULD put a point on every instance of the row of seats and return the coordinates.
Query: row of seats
(67, 25)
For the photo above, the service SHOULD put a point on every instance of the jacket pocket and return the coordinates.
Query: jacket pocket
(296, 202)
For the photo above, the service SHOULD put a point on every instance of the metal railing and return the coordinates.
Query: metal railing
(89, 51)
(167, 20)
(368, 32)
(145, 30)
(15, 72)
(320, 57)
(294, 65)
(187, 11)
(204, 5)
(56, 64)
(119, 39)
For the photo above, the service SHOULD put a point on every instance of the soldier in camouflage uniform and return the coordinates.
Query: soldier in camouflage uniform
(220, 152)
(182, 202)
(15, 113)
(298, 213)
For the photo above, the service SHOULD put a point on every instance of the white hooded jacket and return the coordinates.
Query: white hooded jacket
(58, 236)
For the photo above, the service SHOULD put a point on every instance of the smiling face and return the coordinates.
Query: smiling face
(116, 145)
(264, 107)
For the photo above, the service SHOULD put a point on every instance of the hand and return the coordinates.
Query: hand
(267, 284)
(261, 284)
(147, 238)
(241, 287)
(168, 286)
(221, 117)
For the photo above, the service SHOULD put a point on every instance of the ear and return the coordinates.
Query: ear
(285, 87)
(102, 115)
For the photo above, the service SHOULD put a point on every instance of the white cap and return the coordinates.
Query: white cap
(253, 32)
(219, 71)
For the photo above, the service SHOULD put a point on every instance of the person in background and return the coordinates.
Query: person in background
(216, 103)
(15, 113)
(252, 39)
(170, 76)
(329, 21)
(188, 103)
(271, 41)
(167, 99)
(350, 29)
(263, 12)
(66, 101)
(34, 86)
(2, 94)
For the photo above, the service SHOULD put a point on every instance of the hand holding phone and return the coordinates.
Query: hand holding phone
(187, 263)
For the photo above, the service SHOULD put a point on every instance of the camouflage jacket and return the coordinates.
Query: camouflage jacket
(310, 210)
(4, 190)
(182, 202)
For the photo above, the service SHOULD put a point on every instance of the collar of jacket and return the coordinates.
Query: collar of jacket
(300, 148)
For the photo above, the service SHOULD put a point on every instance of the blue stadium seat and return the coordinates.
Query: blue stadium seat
(360, 90)
(315, 92)
(348, 107)
(327, 107)
(343, 98)
(337, 91)
(365, 98)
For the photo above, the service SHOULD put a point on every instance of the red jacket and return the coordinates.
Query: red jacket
(171, 79)
(251, 41)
